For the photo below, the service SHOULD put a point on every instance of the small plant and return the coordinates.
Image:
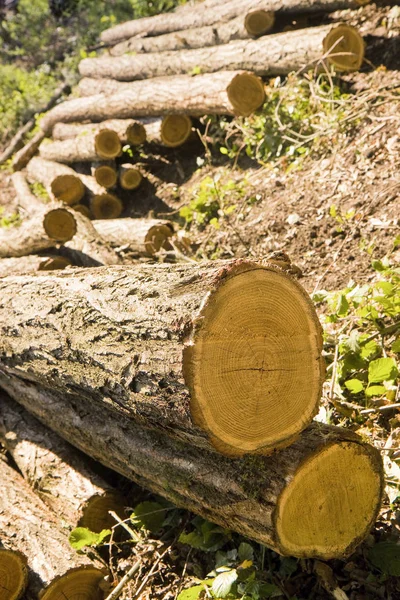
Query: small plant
(40, 191)
(10, 220)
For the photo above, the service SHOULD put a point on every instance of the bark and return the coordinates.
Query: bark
(242, 494)
(137, 236)
(59, 474)
(190, 38)
(103, 144)
(276, 54)
(30, 264)
(143, 336)
(88, 248)
(23, 156)
(203, 94)
(60, 181)
(218, 13)
(123, 127)
(28, 526)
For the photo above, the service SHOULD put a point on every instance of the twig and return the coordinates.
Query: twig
(123, 524)
(126, 578)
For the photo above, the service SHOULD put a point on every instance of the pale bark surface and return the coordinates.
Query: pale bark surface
(26, 198)
(59, 474)
(27, 238)
(200, 16)
(28, 264)
(27, 525)
(239, 494)
(23, 156)
(65, 131)
(88, 248)
(82, 149)
(203, 94)
(46, 171)
(130, 234)
(269, 55)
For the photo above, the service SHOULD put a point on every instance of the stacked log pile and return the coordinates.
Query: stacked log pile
(199, 381)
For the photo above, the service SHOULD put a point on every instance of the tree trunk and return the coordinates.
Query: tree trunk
(104, 144)
(276, 54)
(218, 93)
(129, 131)
(316, 498)
(60, 181)
(59, 474)
(27, 525)
(194, 38)
(137, 236)
(30, 264)
(222, 12)
(138, 334)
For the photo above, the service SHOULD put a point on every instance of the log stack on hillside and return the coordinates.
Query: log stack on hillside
(197, 380)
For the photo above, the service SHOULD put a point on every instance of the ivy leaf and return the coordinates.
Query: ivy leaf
(386, 557)
(382, 369)
(375, 390)
(149, 515)
(355, 386)
(223, 583)
(192, 593)
(81, 537)
(245, 552)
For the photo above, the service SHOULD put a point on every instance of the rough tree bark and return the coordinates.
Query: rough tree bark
(276, 54)
(328, 476)
(191, 38)
(23, 156)
(27, 525)
(104, 144)
(30, 264)
(137, 236)
(60, 181)
(59, 474)
(217, 13)
(138, 334)
(128, 130)
(88, 248)
(218, 93)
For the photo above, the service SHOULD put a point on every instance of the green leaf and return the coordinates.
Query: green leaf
(369, 349)
(81, 537)
(223, 582)
(333, 211)
(103, 535)
(382, 369)
(245, 552)
(375, 390)
(396, 345)
(355, 386)
(378, 265)
(288, 566)
(192, 593)
(149, 515)
(223, 150)
(193, 539)
(269, 590)
(386, 557)
(342, 306)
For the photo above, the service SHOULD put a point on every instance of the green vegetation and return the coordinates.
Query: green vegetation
(9, 220)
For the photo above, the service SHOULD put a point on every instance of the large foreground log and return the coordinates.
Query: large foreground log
(243, 336)
(27, 525)
(138, 236)
(341, 46)
(317, 498)
(104, 144)
(58, 473)
(241, 28)
(60, 181)
(217, 13)
(219, 93)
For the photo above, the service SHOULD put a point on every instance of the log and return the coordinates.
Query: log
(219, 93)
(129, 131)
(254, 23)
(129, 177)
(27, 525)
(328, 477)
(341, 46)
(58, 473)
(217, 13)
(138, 236)
(60, 181)
(103, 204)
(147, 335)
(93, 146)
(23, 156)
(88, 248)
(171, 131)
(13, 574)
(83, 210)
(30, 264)
(105, 173)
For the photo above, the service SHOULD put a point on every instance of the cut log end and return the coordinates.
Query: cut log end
(246, 93)
(107, 144)
(129, 177)
(244, 346)
(68, 188)
(13, 574)
(157, 238)
(136, 134)
(175, 130)
(344, 48)
(85, 583)
(54, 263)
(106, 206)
(259, 22)
(105, 176)
(331, 503)
(60, 224)
(95, 514)
(81, 208)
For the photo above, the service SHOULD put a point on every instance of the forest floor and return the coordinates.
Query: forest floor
(334, 212)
